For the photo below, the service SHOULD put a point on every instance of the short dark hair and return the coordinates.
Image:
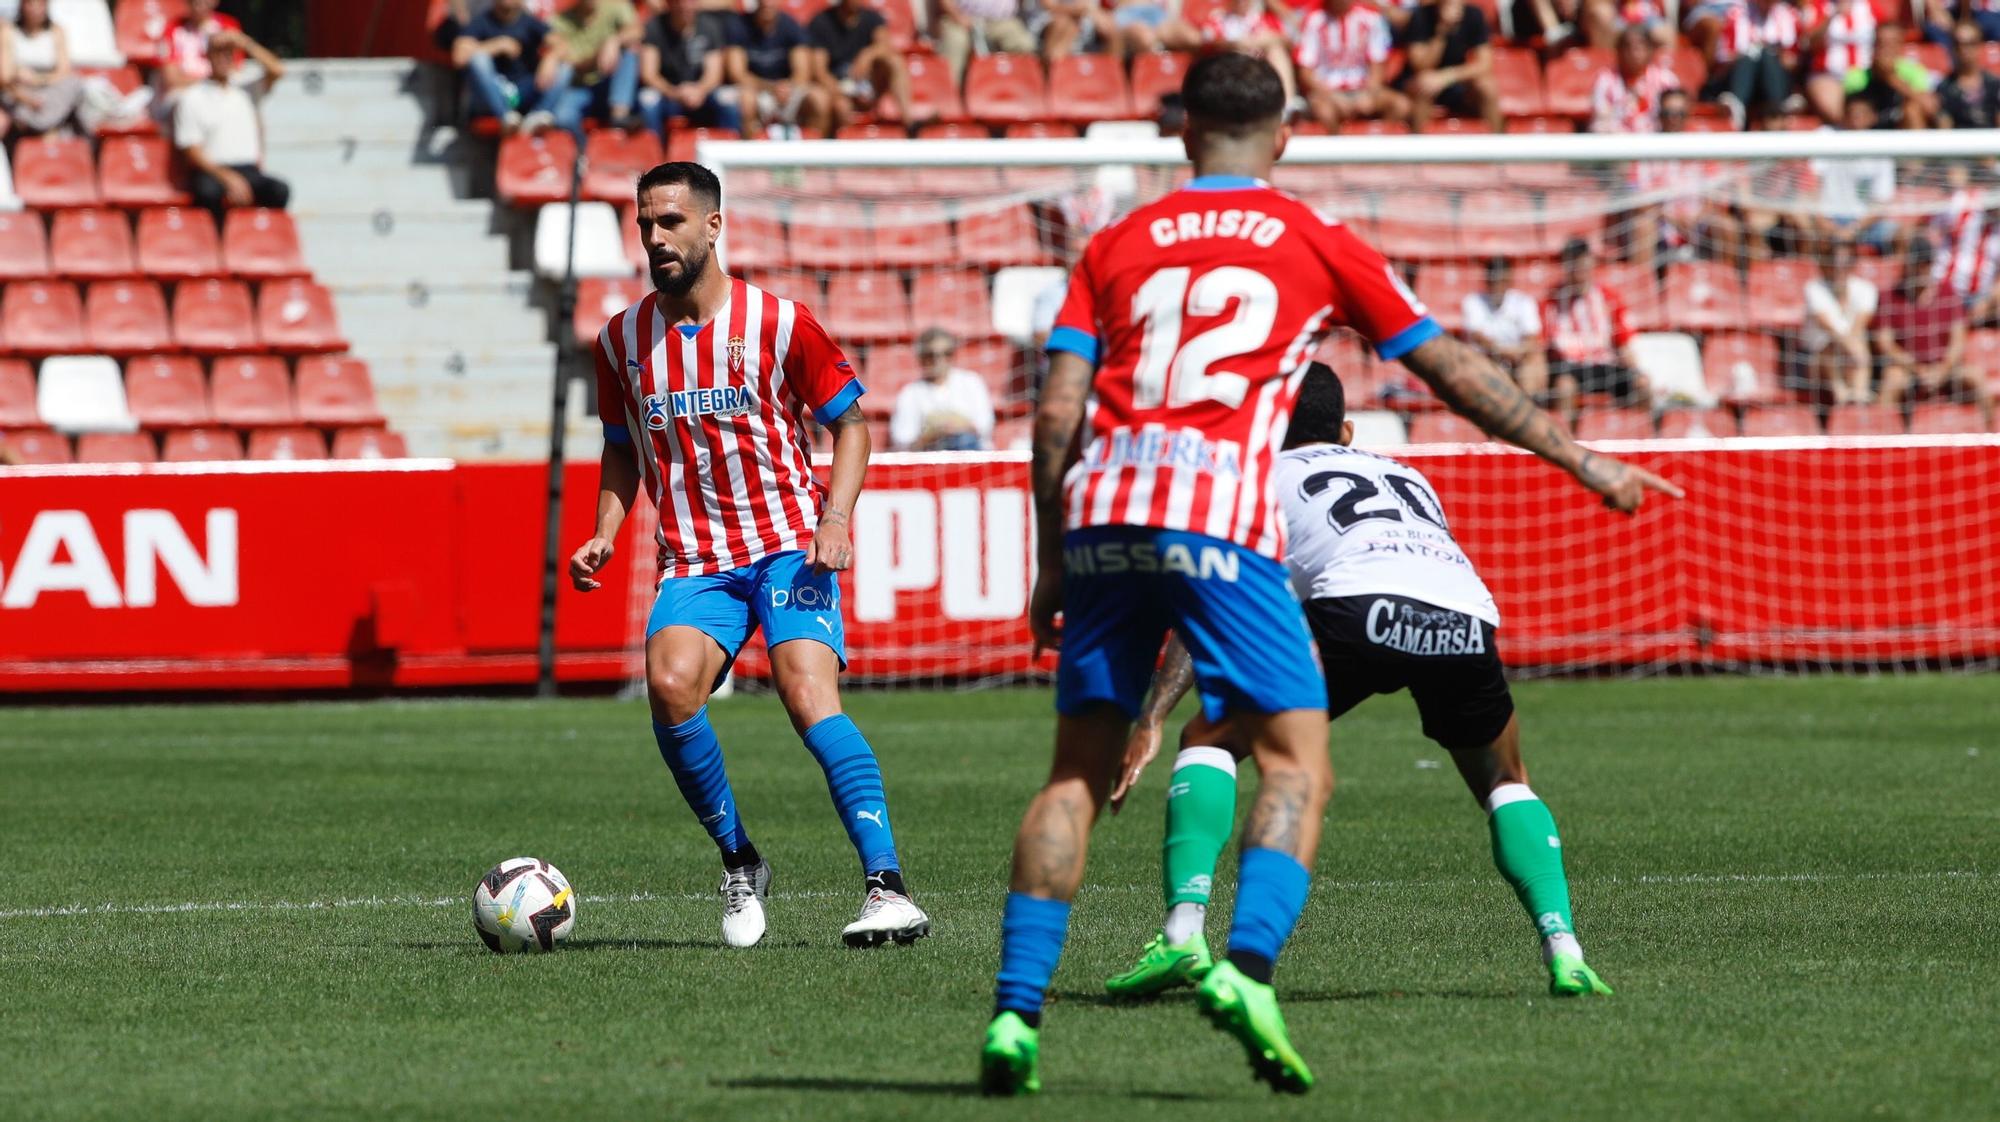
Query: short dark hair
(1232, 93)
(1575, 249)
(1319, 410)
(700, 182)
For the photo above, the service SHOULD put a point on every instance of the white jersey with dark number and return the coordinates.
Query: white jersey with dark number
(1359, 524)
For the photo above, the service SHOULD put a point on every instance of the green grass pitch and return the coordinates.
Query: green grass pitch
(1793, 884)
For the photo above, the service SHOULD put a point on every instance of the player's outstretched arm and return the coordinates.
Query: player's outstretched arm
(1171, 682)
(832, 550)
(1469, 382)
(1058, 416)
(617, 489)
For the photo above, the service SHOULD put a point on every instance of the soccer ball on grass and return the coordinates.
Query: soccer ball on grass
(523, 904)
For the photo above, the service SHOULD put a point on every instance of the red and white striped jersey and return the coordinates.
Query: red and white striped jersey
(1227, 25)
(1774, 28)
(1589, 326)
(1202, 311)
(1968, 247)
(1850, 34)
(1617, 107)
(1340, 50)
(716, 416)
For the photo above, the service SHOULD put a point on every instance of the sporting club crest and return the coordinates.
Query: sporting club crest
(736, 354)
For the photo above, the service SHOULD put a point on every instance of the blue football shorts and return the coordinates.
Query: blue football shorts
(779, 593)
(1124, 587)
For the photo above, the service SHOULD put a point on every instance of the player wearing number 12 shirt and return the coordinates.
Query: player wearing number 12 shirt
(1189, 324)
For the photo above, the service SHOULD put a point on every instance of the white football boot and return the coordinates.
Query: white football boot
(886, 915)
(743, 893)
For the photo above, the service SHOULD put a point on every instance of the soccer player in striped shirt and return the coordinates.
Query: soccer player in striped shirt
(1190, 323)
(703, 386)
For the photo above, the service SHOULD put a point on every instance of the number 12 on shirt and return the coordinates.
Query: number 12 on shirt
(1172, 372)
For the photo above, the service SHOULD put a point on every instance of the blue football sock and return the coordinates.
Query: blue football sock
(1270, 894)
(1031, 940)
(855, 782)
(695, 757)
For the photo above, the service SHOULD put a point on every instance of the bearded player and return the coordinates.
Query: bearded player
(703, 386)
(1189, 324)
(1393, 603)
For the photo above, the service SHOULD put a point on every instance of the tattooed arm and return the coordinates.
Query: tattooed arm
(1170, 683)
(1470, 383)
(1058, 417)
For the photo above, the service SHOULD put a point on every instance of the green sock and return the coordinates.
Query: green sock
(1528, 851)
(1201, 810)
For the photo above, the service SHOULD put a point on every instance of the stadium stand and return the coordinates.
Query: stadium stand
(201, 444)
(83, 393)
(127, 317)
(251, 392)
(90, 245)
(24, 247)
(17, 395)
(214, 317)
(261, 243)
(167, 391)
(287, 444)
(178, 243)
(135, 171)
(332, 392)
(116, 448)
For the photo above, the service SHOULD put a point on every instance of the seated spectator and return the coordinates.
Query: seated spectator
(1342, 47)
(1506, 323)
(42, 92)
(1840, 36)
(1626, 97)
(1920, 335)
(770, 61)
(1398, 14)
(948, 409)
(1589, 338)
(1967, 236)
(681, 69)
(500, 50)
(994, 25)
(1249, 26)
(218, 133)
(858, 60)
(1983, 16)
(1754, 58)
(1450, 64)
(1970, 97)
(183, 53)
(1556, 25)
(1839, 305)
(459, 14)
(1852, 190)
(1897, 85)
(1075, 26)
(1699, 207)
(1138, 24)
(590, 66)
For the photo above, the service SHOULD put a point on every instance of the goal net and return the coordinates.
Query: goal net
(1838, 510)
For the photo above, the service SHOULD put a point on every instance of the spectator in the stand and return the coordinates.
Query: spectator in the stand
(947, 409)
(858, 61)
(1983, 16)
(1397, 12)
(218, 133)
(459, 14)
(1754, 58)
(1075, 26)
(42, 92)
(681, 71)
(1967, 236)
(591, 64)
(1556, 25)
(1920, 334)
(1589, 337)
(1853, 189)
(1506, 323)
(1141, 23)
(1704, 204)
(1626, 96)
(1896, 84)
(771, 64)
(1839, 305)
(1450, 64)
(500, 50)
(1840, 36)
(1970, 97)
(1248, 26)
(1001, 25)
(1342, 54)
(183, 50)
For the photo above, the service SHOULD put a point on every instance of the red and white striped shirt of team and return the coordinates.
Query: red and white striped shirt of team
(1745, 28)
(717, 416)
(1617, 107)
(1340, 50)
(1590, 326)
(1850, 34)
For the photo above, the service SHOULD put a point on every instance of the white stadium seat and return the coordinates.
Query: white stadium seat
(8, 199)
(1671, 360)
(84, 393)
(92, 40)
(1014, 292)
(1378, 428)
(600, 246)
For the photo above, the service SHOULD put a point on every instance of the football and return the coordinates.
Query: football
(523, 904)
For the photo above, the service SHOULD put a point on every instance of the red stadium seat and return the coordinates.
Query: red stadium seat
(42, 318)
(17, 395)
(369, 444)
(534, 170)
(600, 298)
(333, 391)
(1040, 130)
(865, 307)
(1567, 80)
(755, 241)
(142, 24)
(136, 171)
(916, 234)
(252, 390)
(90, 244)
(1496, 221)
(1086, 88)
(1639, 288)
(954, 299)
(952, 130)
(1154, 75)
(1614, 424)
(127, 317)
(178, 243)
(871, 130)
(1540, 124)
(297, 317)
(616, 160)
(214, 317)
(880, 183)
(1697, 424)
(1403, 237)
(1368, 128)
(683, 144)
(1864, 420)
(261, 244)
(999, 238)
(1982, 349)
(54, 172)
(933, 95)
(901, 19)
(1741, 366)
(24, 246)
(1443, 287)
(201, 445)
(1519, 76)
(888, 368)
(37, 446)
(831, 235)
(287, 444)
(1938, 419)
(1935, 57)
(1777, 291)
(1445, 428)
(1780, 420)
(1004, 88)
(167, 391)
(1704, 296)
(116, 448)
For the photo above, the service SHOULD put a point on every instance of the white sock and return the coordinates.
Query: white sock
(1184, 922)
(1562, 942)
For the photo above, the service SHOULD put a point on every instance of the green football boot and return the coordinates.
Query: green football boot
(1011, 1061)
(1248, 1011)
(1162, 967)
(1569, 977)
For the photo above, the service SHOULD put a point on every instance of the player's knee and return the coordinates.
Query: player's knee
(676, 692)
(808, 700)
